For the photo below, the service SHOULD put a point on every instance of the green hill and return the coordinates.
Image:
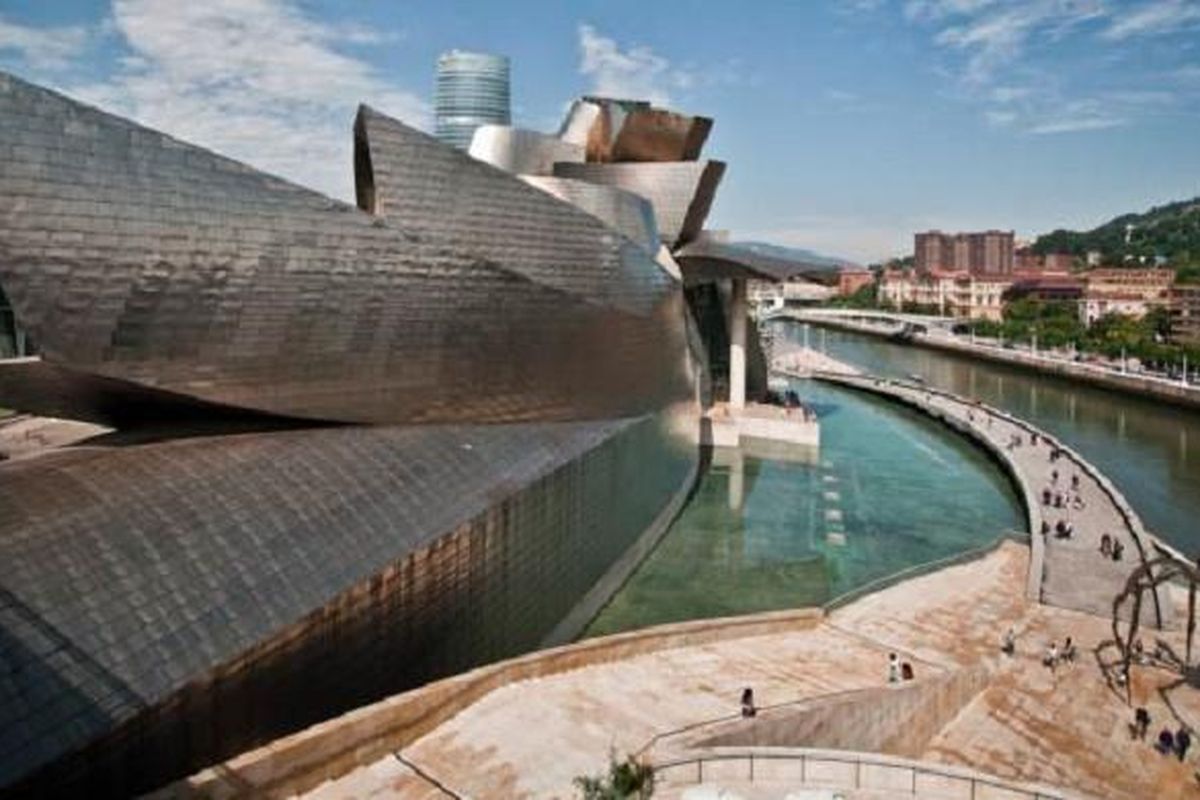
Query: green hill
(1171, 231)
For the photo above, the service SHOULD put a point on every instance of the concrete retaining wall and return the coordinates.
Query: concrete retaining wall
(333, 748)
(899, 719)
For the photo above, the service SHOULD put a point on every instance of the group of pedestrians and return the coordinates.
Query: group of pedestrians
(1054, 656)
(1111, 547)
(898, 671)
(1176, 743)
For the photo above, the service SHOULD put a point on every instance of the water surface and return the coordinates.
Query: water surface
(888, 489)
(1148, 448)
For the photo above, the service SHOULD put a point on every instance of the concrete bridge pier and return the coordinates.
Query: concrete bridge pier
(737, 343)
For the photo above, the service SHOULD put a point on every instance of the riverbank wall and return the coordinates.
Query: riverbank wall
(1140, 385)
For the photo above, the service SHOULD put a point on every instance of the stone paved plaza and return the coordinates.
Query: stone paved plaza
(1068, 728)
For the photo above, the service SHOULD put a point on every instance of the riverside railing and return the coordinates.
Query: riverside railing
(831, 605)
(1143, 539)
(844, 769)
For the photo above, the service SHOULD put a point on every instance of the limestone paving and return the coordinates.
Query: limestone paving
(1068, 727)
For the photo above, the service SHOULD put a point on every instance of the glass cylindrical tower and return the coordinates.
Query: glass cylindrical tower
(472, 90)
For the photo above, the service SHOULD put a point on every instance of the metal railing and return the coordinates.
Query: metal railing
(841, 769)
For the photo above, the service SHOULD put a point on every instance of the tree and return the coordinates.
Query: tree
(625, 780)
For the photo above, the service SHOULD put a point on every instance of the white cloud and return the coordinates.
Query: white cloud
(1082, 115)
(1158, 17)
(993, 36)
(637, 73)
(859, 6)
(999, 118)
(43, 48)
(256, 80)
(940, 9)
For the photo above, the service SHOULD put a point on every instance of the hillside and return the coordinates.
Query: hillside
(1171, 231)
(795, 254)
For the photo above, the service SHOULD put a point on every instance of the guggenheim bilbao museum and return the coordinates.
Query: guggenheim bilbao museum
(354, 449)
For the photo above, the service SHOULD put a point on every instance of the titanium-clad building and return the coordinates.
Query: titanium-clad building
(472, 90)
(357, 448)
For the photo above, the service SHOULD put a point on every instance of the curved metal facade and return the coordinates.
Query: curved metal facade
(472, 90)
(166, 604)
(521, 152)
(175, 272)
(681, 192)
(630, 214)
(244, 586)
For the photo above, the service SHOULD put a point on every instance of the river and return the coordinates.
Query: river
(1150, 449)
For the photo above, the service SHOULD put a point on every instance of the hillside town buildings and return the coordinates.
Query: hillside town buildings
(982, 253)
(1130, 292)
(1185, 313)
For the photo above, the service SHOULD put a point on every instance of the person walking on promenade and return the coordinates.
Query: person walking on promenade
(1051, 658)
(1075, 482)
(1106, 545)
(1183, 740)
(748, 708)
(1068, 651)
(1141, 722)
(1008, 644)
(1118, 551)
(1166, 741)
(1054, 477)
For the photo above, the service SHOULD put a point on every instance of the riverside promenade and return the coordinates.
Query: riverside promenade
(526, 728)
(1068, 572)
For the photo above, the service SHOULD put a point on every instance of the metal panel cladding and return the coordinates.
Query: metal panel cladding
(682, 191)
(472, 90)
(164, 268)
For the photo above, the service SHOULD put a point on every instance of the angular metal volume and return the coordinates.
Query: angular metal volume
(135, 258)
(681, 191)
(632, 130)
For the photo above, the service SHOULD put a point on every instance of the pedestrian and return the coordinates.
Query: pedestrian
(1008, 644)
(1106, 545)
(1033, 439)
(1068, 651)
(1051, 658)
(1046, 497)
(748, 708)
(893, 668)
(1118, 551)
(1166, 741)
(1045, 527)
(1183, 740)
(1141, 722)
(1054, 477)
(1075, 481)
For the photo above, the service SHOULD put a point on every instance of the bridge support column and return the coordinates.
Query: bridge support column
(737, 344)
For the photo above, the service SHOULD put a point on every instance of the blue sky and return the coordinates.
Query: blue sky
(847, 125)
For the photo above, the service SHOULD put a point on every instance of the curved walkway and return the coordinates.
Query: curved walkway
(1065, 572)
